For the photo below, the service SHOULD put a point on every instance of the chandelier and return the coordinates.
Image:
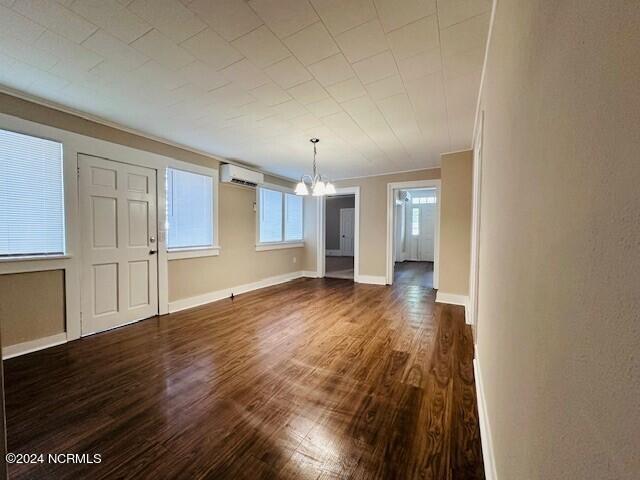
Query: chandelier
(317, 183)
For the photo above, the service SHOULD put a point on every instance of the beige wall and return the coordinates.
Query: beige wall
(31, 306)
(559, 309)
(238, 262)
(455, 222)
(373, 219)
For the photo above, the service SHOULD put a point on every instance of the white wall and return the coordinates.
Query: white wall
(558, 334)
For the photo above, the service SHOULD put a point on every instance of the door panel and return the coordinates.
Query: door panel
(347, 229)
(105, 288)
(118, 220)
(138, 223)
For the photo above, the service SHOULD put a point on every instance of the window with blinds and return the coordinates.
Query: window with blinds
(189, 210)
(31, 196)
(280, 216)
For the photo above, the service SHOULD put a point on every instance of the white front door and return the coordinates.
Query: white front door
(119, 246)
(347, 229)
(420, 232)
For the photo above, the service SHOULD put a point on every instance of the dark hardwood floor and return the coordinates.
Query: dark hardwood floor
(316, 378)
(414, 273)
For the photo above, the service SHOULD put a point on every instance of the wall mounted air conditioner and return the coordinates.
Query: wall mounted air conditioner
(240, 176)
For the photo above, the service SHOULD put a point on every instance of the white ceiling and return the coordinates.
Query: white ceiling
(387, 85)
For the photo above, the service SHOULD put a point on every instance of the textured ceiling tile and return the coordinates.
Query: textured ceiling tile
(375, 68)
(212, 49)
(308, 121)
(154, 73)
(342, 15)
(415, 37)
(285, 17)
(363, 41)
(312, 44)
(113, 17)
(332, 70)
(419, 65)
(56, 18)
(325, 107)
(230, 18)
(386, 87)
(288, 72)
(467, 35)
(262, 47)
(231, 95)
(202, 75)
(308, 92)
(158, 47)
(346, 90)
(464, 63)
(115, 50)
(395, 14)
(454, 11)
(270, 94)
(65, 49)
(19, 26)
(245, 74)
(170, 17)
(289, 109)
(383, 111)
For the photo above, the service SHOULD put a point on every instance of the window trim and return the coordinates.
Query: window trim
(64, 255)
(200, 250)
(264, 246)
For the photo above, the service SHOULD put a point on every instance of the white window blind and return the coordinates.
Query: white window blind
(31, 196)
(189, 209)
(270, 215)
(415, 221)
(293, 213)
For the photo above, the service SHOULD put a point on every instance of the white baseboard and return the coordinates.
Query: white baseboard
(455, 299)
(33, 345)
(310, 274)
(485, 427)
(333, 253)
(198, 300)
(371, 279)
(451, 298)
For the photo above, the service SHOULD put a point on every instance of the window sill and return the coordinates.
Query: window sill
(31, 258)
(180, 253)
(261, 247)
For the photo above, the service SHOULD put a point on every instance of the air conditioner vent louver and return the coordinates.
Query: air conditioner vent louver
(240, 176)
(244, 182)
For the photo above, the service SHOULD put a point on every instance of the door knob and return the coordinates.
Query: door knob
(151, 252)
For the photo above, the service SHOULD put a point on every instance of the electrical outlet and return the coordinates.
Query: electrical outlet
(295, 259)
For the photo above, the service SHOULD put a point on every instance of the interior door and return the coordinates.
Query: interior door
(119, 249)
(347, 231)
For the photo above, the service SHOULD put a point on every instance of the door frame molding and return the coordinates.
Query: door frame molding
(391, 187)
(321, 227)
(83, 284)
(474, 260)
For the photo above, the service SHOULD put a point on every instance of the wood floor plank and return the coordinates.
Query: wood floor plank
(316, 378)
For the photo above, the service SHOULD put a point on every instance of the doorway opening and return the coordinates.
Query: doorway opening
(415, 232)
(340, 236)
